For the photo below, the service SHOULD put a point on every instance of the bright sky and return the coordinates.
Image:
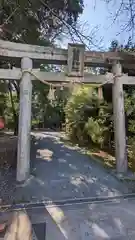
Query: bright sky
(100, 16)
(96, 13)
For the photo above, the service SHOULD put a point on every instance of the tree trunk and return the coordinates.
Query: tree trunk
(15, 116)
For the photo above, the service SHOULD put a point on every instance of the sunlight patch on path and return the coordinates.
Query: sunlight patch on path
(62, 222)
(45, 154)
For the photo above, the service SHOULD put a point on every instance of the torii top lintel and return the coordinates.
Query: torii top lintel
(15, 51)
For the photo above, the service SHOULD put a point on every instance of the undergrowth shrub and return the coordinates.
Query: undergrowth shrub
(88, 119)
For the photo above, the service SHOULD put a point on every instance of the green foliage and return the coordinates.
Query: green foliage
(95, 129)
(87, 117)
(47, 112)
(74, 111)
(9, 113)
(130, 112)
(2, 97)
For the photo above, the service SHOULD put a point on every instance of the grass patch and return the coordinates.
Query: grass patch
(105, 157)
(108, 159)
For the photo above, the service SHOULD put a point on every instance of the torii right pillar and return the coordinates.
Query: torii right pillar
(119, 120)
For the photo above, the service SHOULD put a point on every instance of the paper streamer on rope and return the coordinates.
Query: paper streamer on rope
(100, 93)
(51, 94)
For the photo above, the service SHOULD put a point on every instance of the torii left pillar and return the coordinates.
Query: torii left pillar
(23, 155)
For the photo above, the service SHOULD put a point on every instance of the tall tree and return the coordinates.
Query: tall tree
(29, 20)
(35, 22)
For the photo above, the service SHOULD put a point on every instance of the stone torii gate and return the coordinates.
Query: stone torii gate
(75, 58)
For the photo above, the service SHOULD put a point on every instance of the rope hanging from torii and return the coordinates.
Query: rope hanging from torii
(51, 94)
(53, 85)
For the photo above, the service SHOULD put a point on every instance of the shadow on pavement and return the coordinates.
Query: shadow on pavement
(58, 172)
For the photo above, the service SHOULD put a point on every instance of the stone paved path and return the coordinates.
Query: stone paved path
(62, 172)
(59, 172)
